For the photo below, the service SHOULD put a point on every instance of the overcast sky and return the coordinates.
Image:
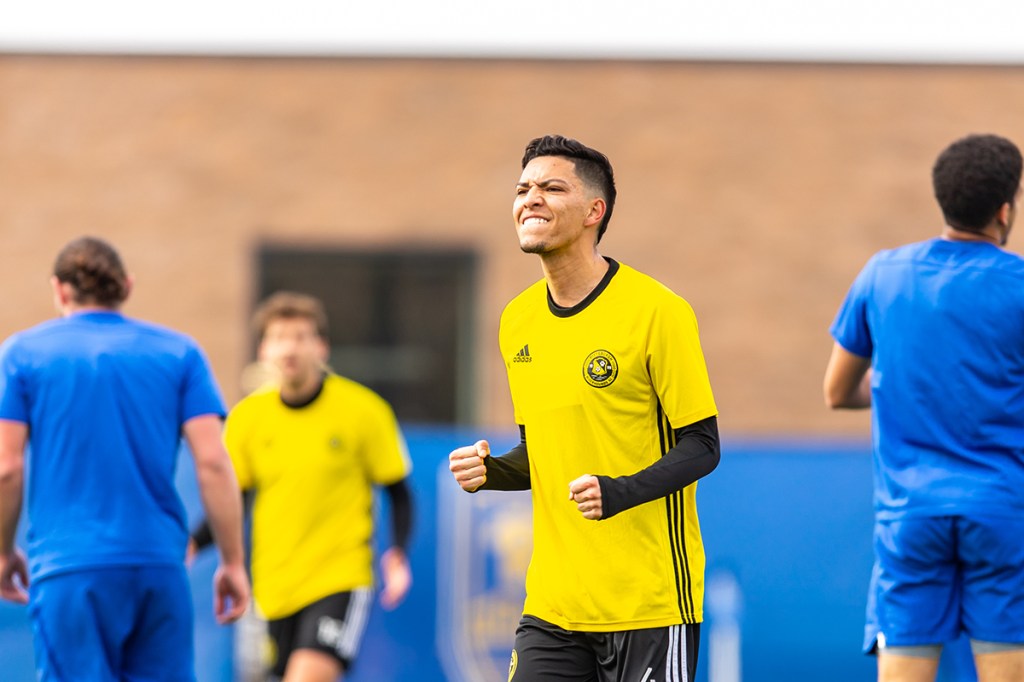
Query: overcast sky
(978, 31)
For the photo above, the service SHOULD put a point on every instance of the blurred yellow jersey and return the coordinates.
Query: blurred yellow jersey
(600, 388)
(313, 469)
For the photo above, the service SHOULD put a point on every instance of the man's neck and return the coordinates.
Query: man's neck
(301, 393)
(72, 308)
(991, 233)
(571, 279)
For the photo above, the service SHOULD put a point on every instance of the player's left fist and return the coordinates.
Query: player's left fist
(585, 491)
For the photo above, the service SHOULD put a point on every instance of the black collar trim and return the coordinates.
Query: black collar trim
(306, 402)
(559, 311)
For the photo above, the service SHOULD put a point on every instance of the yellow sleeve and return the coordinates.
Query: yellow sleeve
(387, 458)
(234, 441)
(676, 364)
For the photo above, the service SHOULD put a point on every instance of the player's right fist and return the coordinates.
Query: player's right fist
(467, 465)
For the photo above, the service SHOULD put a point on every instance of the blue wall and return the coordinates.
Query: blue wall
(787, 522)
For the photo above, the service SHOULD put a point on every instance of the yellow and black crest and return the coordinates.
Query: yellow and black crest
(600, 369)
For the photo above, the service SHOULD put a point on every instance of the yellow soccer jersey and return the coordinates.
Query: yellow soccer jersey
(313, 469)
(600, 389)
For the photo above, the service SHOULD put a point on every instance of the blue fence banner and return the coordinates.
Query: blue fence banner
(787, 529)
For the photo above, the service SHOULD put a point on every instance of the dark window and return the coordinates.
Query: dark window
(400, 321)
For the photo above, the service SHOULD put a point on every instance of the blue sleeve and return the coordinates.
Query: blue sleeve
(14, 403)
(200, 393)
(850, 329)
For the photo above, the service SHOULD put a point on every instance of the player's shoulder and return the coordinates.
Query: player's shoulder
(903, 252)
(55, 326)
(141, 337)
(159, 331)
(13, 345)
(945, 251)
(645, 289)
(641, 280)
(1010, 262)
(352, 393)
(56, 335)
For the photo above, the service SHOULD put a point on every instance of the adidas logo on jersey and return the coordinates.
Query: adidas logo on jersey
(523, 355)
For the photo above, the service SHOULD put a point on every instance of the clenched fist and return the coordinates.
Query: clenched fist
(467, 465)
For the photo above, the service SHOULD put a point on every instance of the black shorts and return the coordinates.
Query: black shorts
(546, 653)
(333, 625)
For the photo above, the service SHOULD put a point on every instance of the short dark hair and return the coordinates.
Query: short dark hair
(94, 270)
(592, 167)
(289, 305)
(974, 177)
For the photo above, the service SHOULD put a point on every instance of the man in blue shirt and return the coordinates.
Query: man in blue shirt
(931, 336)
(101, 401)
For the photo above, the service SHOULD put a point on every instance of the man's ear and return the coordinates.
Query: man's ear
(1005, 214)
(325, 350)
(63, 294)
(598, 208)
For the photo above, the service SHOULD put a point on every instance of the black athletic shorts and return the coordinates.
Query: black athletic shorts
(546, 653)
(333, 625)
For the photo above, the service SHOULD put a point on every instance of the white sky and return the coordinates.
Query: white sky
(985, 31)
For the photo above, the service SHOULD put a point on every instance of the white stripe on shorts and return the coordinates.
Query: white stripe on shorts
(675, 662)
(356, 617)
(684, 665)
(672, 663)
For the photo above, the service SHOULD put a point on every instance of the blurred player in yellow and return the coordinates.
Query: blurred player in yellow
(617, 423)
(312, 445)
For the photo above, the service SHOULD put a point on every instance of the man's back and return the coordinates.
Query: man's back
(105, 398)
(944, 323)
(92, 408)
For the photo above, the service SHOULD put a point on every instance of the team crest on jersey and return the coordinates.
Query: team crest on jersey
(600, 369)
(512, 665)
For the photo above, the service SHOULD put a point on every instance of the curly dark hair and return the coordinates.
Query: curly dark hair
(592, 167)
(94, 270)
(290, 305)
(974, 177)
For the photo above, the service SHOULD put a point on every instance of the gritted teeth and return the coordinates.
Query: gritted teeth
(535, 221)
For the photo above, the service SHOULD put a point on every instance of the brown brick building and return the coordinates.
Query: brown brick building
(756, 191)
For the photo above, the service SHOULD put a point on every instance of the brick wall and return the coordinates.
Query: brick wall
(754, 190)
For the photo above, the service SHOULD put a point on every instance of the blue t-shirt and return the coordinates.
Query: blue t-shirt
(104, 398)
(943, 324)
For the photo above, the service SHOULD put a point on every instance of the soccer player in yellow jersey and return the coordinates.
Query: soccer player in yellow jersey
(311, 446)
(617, 423)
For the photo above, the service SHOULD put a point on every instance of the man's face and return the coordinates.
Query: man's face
(553, 208)
(294, 348)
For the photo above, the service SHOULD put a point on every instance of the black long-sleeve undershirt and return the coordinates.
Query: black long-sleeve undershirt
(510, 471)
(696, 454)
(401, 513)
